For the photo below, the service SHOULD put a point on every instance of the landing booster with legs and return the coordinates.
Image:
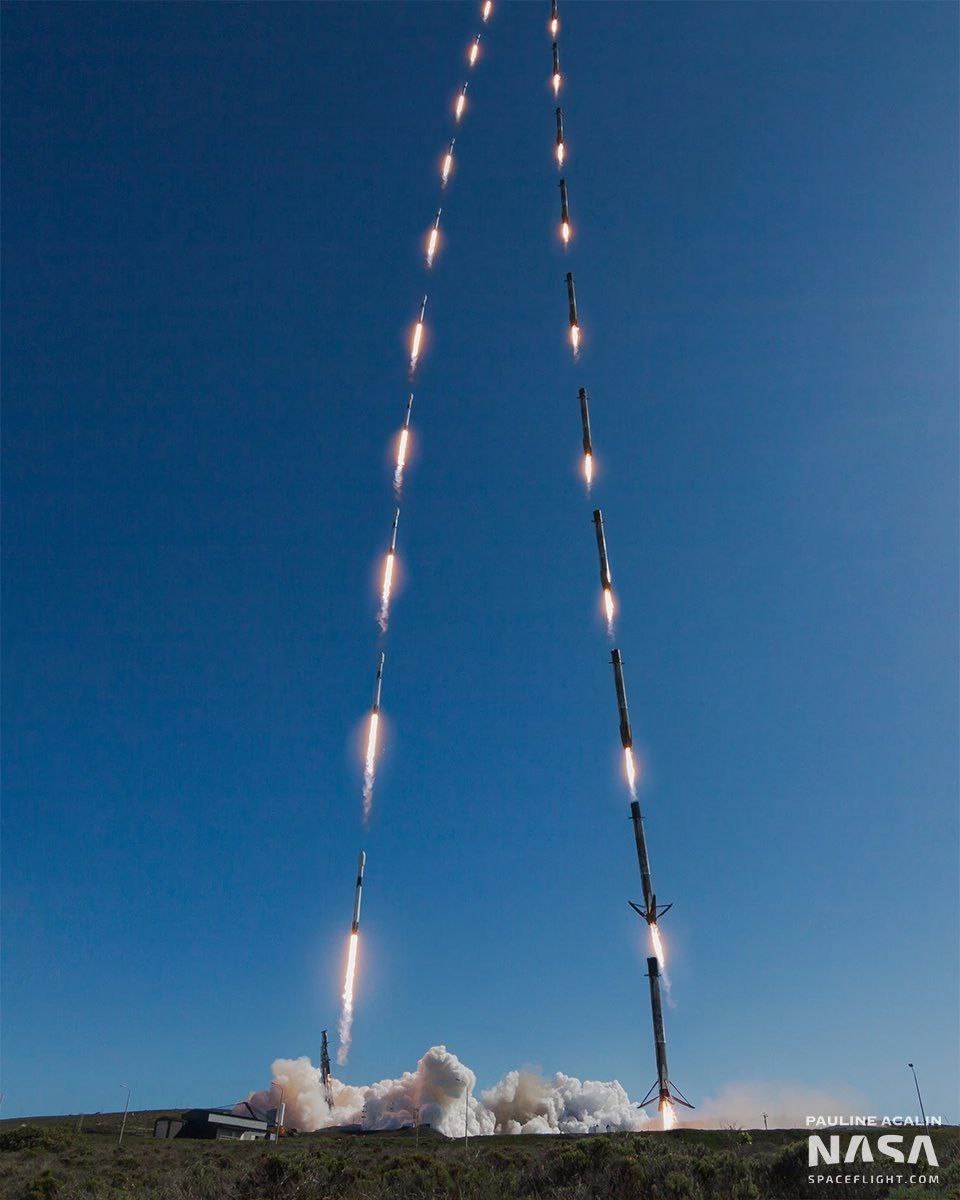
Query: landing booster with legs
(651, 911)
(666, 1092)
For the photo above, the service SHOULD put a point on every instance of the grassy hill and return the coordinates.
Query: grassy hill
(47, 1157)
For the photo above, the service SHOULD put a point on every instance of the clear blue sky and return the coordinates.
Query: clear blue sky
(212, 221)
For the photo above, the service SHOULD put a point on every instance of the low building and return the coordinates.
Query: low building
(212, 1123)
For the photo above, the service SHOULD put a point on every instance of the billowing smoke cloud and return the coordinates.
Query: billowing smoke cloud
(787, 1105)
(435, 1094)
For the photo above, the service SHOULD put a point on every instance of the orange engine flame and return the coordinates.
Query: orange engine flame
(668, 1114)
(608, 607)
(445, 169)
(432, 245)
(370, 764)
(402, 449)
(575, 338)
(560, 154)
(458, 111)
(554, 26)
(415, 344)
(588, 468)
(565, 232)
(631, 769)
(474, 51)
(487, 10)
(384, 613)
(657, 939)
(556, 83)
(346, 1008)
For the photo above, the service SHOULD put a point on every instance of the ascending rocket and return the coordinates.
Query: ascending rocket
(361, 863)
(626, 733)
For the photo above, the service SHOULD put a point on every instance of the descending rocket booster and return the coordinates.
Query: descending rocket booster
(666, 1092)
(461, 101)
(556, 69)
(432, 238)
(554, 19)
(605, 578)
(358, 894)
(574, 319)
(474, 51)
(396, 522)
(564, 213)
(626, 733)
(447, 164)
(587, 439)
(417, 340)
(560, 150)
(651, 911)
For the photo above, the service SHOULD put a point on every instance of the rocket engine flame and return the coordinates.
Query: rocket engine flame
(345, 1025)
(370, 764)
(588, 469)
(458, 110)
(575, 339)
(669, 1115)
(560, 153)
(384, 614)
(657, 940)
(631, 770)
(565, 232)
(487, 10)
(401, 458)
(556, 83)
(474, 51)
(432, 240)
(554, 26)
(608, 608)
(415, 345)
(446, 168)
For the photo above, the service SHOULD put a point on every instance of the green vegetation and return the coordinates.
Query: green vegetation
(52, 1160)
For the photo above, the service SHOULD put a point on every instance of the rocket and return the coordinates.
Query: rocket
(396, 518)
(361, 863)
(406, 419)
(572, 302)
(378, 684)
(605, 578)
(667, 1093)
(560, 136)
(556, 68)
(554, 19)
(651, 911)
(585, 421)
(626, 733)
(564, 213)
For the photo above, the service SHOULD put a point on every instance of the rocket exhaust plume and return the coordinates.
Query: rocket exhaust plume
(668, 1114)
(432, 238)
(474, 51)
(606, 581)
(565, 230)
(556, 69)
(402, 444)
(346, 1004)
(587, 438)
(417, 339)
(560, 149)
(574, 318)
(554, 19)
(345, 1025)
(461, 101)
(373, 729)
(487, 10)
(388, 565)
(447, 165)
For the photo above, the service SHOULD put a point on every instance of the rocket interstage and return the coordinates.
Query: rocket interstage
(574, 317)
(358, 894)
(564, 213)
(556, 69)
(587, 438)
(606, 581)
(560, 147)
(667, 1093)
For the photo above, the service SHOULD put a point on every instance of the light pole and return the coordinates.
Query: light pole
(126, 1109)
(764, 1120)
(919, 1097)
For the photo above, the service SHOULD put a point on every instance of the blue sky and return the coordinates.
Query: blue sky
(213, 217)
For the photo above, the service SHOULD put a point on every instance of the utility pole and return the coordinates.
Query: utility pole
(126, 1109)
(765, 1120)
(919, 1097)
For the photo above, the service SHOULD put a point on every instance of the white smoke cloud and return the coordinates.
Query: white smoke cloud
(786, 1105)
(440, 1093)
